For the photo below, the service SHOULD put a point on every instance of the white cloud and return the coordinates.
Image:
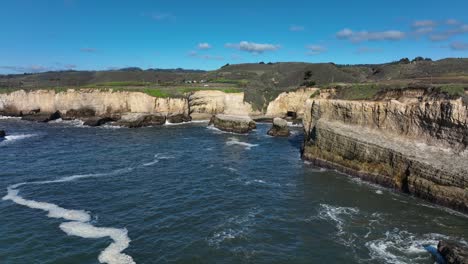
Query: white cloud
(370, 35)
(315, 49)
(204, 46)
(252, 47)
(457, 29)
(296, 28)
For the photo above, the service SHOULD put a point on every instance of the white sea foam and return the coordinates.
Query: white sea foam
(291, 124)
(235, 141)
(9, 117)
(157, 158)
(73, 122)
(9, 139)
(401, 246)
(219, 131)
(80, 220)
(378, 192)
(337, 214)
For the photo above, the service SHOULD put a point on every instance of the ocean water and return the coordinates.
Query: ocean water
(192, 194)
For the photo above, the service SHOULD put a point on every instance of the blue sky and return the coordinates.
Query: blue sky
(100, 34)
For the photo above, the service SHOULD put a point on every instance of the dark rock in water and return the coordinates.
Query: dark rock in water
(453, 252)
(178, 118)
(2, 134)
(263, 119)
(79, 113)
(140, 120)
(279, 128)
(98, 121)
(41, 117)
(439, 259)
(235, 124)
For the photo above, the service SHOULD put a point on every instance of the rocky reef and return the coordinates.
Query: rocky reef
(279, 128)
(415, 145)
(453, 252)
(234, 124)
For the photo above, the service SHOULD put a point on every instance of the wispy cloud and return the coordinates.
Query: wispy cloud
(459, 46)
(453, 30)
(315, 49)
(452, 22)
(195, 54)
(361, 36)
(424, 23)
(253, 47)
(88, 50)
(296, 28)
(204, 46)
(29, 69)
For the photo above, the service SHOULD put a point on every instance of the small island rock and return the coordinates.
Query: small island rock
(279, 128)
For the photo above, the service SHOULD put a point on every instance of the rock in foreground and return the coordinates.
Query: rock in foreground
(178, 118)
(141, 120)
(41, 117)
(279, 128)
(234, 124)
(453, 252)
(98, 121)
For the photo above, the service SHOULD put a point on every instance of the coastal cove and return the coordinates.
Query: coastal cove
(191, 193)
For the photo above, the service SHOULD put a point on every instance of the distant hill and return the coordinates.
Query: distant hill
(260, 81)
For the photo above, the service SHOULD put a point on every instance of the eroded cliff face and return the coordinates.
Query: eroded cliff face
(293, 101)
(416, 146)
(109, 102)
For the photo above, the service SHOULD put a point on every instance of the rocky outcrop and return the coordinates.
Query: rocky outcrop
(415, 147)
(207, 103)
(453, 252)
(290, 102)
(234, 124)
(179, 118)
(81, 113)
(98, 121)
(41, 117)
(279, 128)
(136, 120)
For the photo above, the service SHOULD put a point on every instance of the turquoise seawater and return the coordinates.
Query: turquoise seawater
(192, 194)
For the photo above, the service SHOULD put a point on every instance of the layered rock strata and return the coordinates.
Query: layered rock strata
(416, 147)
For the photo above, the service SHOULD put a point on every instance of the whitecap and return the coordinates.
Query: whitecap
(337, 214)
(15, 137)
(235, 141)
(378, 192)
(157, 158)
(9, 117)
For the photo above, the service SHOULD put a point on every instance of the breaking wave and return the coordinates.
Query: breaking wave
(13, 138)
(235, 141)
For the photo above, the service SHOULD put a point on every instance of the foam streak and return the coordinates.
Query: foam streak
(78, 220)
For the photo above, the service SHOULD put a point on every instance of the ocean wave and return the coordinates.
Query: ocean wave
(158, 157)
(235, 227)
(79, 220)
(402, 247)
(185, 123)
(73, 122)
(235, 141)
(337, 214)
(9, 139)
(219, 131)
(9, 117)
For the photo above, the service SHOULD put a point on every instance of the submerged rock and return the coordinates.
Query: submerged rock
(41, 117)
(235, 124)
(2, 134)
(178, 118)
(279, 128)
(453, 252)
(141, 120)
